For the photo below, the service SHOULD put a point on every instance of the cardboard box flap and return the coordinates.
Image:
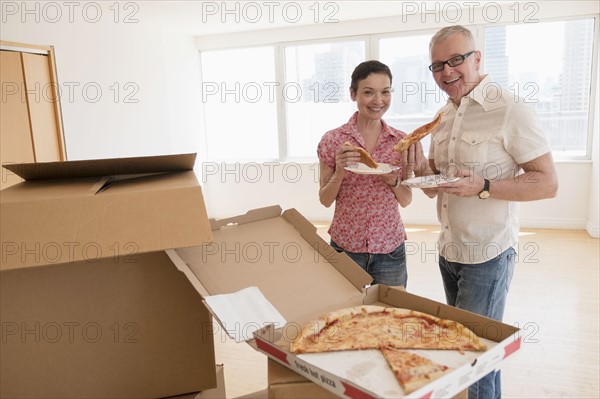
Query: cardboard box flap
(40, 190)
(343, 263)
(277, 256)
(103, 167)
(58, 221)
(249, 217)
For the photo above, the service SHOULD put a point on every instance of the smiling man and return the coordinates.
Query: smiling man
(495, 143)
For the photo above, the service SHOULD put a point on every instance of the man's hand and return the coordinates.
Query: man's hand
(469, 185)
(414, 162)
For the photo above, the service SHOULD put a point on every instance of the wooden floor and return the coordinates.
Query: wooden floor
(554, 299)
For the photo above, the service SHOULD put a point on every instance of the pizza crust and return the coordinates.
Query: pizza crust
(418, 134)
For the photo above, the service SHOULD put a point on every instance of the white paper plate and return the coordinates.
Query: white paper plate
(429, 181)
(362, 169)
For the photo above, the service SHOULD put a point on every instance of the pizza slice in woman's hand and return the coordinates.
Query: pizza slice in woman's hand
(364, 156)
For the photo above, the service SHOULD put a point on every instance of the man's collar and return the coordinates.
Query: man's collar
(488, 94)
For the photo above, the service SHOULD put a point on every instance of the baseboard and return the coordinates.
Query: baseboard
(593, 229)
(525, 223)
(565, 224)
(419, 221)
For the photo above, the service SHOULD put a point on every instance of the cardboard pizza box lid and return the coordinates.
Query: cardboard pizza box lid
(281, 254)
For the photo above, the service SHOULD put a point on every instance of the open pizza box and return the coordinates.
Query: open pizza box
(267, 273)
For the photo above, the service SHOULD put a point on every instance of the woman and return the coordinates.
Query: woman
(366, 222)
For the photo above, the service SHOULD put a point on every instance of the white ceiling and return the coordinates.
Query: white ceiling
(217, 17)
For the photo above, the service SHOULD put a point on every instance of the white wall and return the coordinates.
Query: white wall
(127, 88)
(159, 59)
(233, 188)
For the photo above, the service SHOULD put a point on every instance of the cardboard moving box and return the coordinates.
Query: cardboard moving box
(215, 393)
(91, 306)
(280, 256)
(286, 384)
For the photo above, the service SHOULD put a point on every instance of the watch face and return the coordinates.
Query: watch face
(484, 194)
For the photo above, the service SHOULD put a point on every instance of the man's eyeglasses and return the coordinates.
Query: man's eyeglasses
(453, 62)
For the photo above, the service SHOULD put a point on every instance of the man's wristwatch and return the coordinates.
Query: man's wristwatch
(485, 193)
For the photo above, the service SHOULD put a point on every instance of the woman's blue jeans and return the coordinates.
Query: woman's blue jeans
(388, 269)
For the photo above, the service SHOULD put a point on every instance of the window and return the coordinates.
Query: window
(548, 65)
(286, 95)
(238, 93)
(416, 96)
(322, 74)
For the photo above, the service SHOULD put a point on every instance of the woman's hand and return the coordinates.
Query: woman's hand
(390, 179)
(345, 156)
(330, 179)
(402, 193)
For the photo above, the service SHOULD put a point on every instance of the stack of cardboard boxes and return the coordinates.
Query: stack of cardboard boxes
(105, 265)
(91, 305)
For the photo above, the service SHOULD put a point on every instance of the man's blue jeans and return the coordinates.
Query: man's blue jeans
(388, 269)
(480, 288)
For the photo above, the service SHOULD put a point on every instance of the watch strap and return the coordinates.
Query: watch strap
(485, 193)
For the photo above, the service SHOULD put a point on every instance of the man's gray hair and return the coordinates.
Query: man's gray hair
(444, 33)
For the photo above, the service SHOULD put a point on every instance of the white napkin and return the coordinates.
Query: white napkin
(244, 312)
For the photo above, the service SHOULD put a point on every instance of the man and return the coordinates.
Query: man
(495, 143)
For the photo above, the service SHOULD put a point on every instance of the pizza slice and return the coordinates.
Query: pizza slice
(345, 329)
(418, 134)
(411, 370)
(364, 156)
(410, 329)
